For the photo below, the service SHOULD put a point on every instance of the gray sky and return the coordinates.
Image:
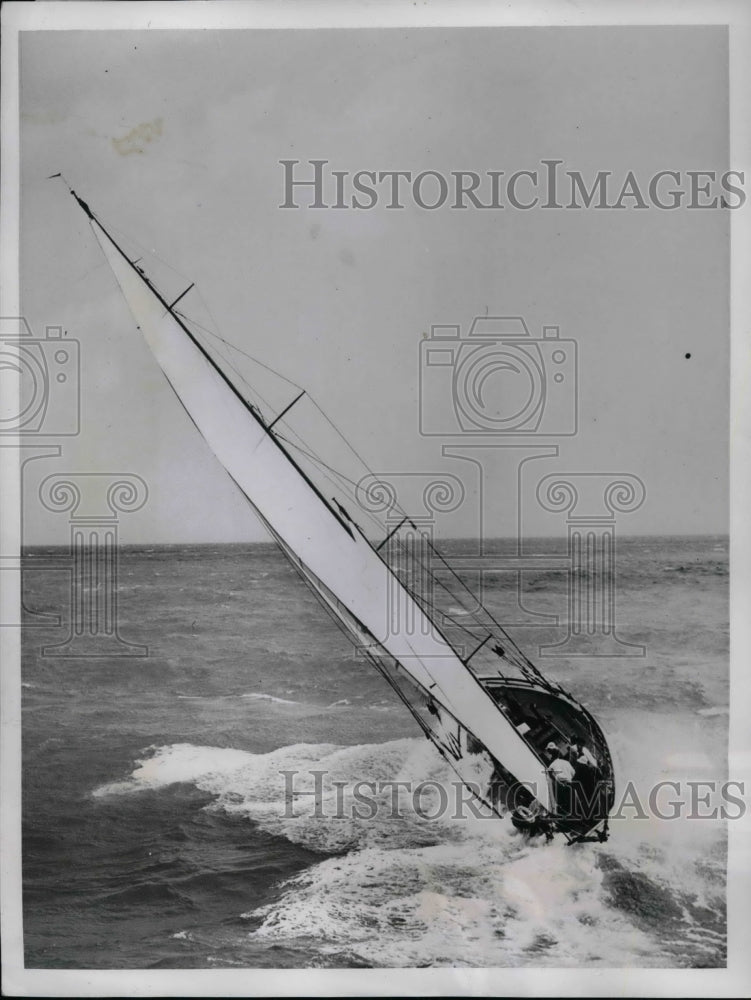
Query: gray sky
(340, 300)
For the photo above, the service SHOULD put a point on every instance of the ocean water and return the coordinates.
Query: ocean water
(158, 833)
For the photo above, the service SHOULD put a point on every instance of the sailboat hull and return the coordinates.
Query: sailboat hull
(491, 730)
(542, 715)
(546, 715)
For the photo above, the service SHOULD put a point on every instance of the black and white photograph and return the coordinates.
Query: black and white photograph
(375, 450)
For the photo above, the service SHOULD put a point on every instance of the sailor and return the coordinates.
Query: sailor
(584, 757)
(561, 769)
(584, 762)
(585, 772)
(563, 775)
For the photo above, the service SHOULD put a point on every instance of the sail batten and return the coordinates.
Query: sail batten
(307, 526)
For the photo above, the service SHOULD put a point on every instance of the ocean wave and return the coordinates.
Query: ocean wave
(262, 696)
(278, 790)
(158, 894)
(399, 889)
(179, 763)
(496, 901)
(711, 567)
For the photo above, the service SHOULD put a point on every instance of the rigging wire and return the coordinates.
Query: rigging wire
(519, 660)
(257, 361)
(422, 599)
(127, 238)
(304, 448)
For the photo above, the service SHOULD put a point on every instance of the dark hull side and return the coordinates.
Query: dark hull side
(544, 715)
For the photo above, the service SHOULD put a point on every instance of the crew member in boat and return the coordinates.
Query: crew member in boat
(585, 766)
(585, 775)
(561, 768)
(563, 775)
(581, 756)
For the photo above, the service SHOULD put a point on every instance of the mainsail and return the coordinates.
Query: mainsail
(329, 549)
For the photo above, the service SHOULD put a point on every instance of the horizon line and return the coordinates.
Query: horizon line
(446, 538)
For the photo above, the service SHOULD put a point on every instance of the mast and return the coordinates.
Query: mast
(319, 537)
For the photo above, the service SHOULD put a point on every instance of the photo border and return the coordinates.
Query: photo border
(266, 14)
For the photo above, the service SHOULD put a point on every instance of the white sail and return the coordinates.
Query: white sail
(328, 546)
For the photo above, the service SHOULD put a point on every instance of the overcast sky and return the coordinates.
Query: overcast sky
(175, 139)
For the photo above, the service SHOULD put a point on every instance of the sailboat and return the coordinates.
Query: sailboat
(500, 732)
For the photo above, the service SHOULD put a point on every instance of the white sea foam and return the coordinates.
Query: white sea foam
(206, 767)
(414, 891)
(490, 902)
